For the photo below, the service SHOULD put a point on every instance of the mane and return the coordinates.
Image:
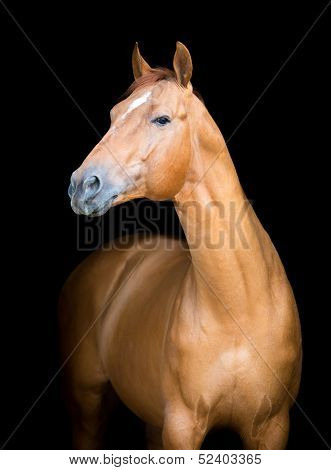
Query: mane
(156, 75)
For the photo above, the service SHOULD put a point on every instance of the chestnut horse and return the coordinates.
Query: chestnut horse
(190, 339)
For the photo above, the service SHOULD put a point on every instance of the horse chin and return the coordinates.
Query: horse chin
(103, 208)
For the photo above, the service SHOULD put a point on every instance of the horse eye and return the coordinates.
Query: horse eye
(161, 121)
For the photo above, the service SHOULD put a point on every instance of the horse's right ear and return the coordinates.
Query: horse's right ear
(139, 65)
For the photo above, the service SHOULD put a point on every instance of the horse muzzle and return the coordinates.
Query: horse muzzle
(89, 195)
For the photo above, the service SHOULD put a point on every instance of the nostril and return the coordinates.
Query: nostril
(92, 185)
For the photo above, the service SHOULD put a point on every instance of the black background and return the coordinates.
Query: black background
(280, 151)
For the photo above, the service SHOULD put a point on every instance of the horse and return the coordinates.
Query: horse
(196, 337)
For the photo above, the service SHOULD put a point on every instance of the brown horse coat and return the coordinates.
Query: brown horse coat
(187, 339)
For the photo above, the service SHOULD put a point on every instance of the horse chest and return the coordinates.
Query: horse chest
(205, 362)
(219, 368)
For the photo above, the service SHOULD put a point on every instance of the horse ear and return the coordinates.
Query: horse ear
(183, 64)
(139, 65)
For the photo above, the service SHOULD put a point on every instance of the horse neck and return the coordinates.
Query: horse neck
(232, 256)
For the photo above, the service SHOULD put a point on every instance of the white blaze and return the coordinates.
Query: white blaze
(136, 103)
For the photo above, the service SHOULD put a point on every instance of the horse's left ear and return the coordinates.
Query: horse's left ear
(183, 64)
